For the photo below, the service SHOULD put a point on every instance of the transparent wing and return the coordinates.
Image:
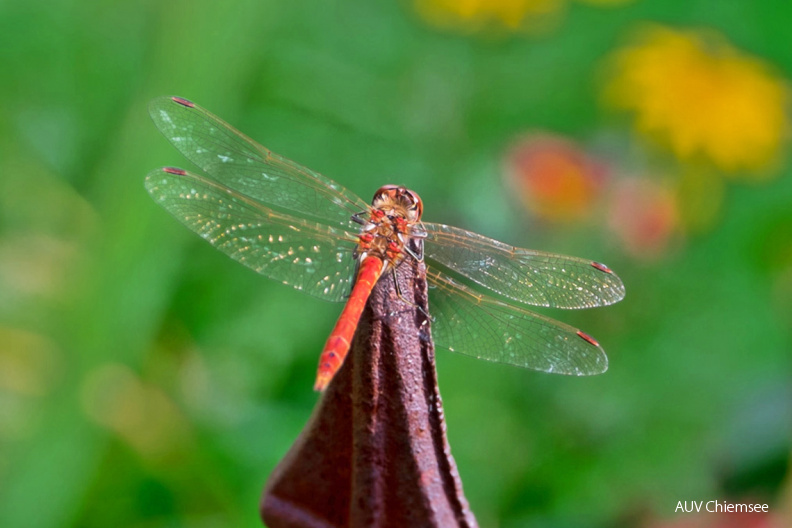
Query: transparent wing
(524, 275)
(311, 257)
(478, 326)
(243, 165)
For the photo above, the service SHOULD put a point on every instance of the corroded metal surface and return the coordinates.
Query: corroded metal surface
(375, 452)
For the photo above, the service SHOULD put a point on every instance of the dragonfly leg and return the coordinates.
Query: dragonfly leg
(401, 297)
(418, 253)
(358, 218)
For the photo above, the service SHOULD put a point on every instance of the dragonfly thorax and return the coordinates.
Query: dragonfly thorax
(395, 211)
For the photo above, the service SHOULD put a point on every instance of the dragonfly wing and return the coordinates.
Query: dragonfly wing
(482, 327)
(243, 165)
(524, 275)
(310, 257)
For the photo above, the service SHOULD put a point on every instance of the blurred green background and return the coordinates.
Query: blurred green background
(147, 380)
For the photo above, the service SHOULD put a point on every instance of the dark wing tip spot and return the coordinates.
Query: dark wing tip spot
(587, 338)
(184, 102)
(174, 170)
(602, 267)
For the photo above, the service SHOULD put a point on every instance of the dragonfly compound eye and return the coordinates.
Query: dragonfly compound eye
(416, 205)
(385, 191)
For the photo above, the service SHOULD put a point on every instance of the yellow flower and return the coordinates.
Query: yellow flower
(532, 16)
(702, 98)
(476, 14)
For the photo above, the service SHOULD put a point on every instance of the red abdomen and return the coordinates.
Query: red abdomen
(337, 345)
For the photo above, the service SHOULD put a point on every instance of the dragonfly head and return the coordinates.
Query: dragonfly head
(399, 200)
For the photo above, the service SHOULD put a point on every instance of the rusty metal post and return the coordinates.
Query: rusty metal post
(375, 452)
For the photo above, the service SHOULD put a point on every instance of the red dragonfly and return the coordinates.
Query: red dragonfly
(296, 226)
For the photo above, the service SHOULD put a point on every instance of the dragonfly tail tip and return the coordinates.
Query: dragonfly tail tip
(321, 383)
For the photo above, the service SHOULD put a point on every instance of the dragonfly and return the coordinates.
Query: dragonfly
(294, 225)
